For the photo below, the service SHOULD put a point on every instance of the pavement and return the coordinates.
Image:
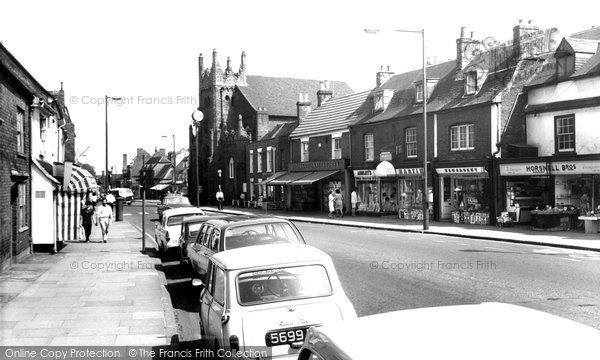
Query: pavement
(88, 294)
(518, 233)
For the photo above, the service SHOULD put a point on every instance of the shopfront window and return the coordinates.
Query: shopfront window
(369, 195)
(389, 195)
(470, 200)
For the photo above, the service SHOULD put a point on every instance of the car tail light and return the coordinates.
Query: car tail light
(234, 342)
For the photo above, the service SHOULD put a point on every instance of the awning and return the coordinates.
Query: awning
(289, 177)
(402, 172)
(160, 187)
(315, 176)
(81, 181)
(272, 177)
(385, 169)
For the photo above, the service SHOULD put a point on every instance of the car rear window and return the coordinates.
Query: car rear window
(260, 234)
(281, 284)
(177, 200)
(177, 219)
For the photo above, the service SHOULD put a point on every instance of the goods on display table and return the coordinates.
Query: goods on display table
(554, 219)
(469, 217)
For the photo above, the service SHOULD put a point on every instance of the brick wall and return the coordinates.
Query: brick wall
(480, 116)
(13, 242)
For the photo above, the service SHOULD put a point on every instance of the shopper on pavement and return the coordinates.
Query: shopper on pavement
(220, 199)
(331, 203)
(87, 217)
(339, 203)
(104, 215)
(354, 200)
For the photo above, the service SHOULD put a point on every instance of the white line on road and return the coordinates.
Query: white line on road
(492, 248)
(147, 213)
(148, 237)
(570, 259)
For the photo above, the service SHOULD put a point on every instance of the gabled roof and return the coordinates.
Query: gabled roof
(590, 34)
(572, 45)
(279, 95)
(280, 130)
(334, 114)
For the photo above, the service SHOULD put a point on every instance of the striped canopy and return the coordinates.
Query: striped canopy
(81, 181)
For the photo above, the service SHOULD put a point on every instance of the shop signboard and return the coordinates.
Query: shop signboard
(385, 156)
(553, 168)
(475, 172)
(364, 174)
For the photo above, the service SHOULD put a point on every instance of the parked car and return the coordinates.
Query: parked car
(269, 295)
(239, 231)
(125, 193)
(189, 231)
(168, 229)
(488, 330)
(172, 201)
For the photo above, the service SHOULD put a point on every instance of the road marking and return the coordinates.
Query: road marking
(570, 259)
(148, 236)
(126, 214)
(147, 213)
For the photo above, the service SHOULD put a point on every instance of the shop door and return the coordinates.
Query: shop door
(445, 198)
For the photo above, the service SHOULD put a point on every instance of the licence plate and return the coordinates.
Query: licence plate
(285, 336)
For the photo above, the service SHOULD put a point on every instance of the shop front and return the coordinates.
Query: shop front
(410, 198)
(551, 186)
(464, 194)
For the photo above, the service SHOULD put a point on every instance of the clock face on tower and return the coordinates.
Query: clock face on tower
(471, 51)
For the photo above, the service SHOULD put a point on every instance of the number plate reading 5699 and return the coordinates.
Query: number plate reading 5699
(285, 336)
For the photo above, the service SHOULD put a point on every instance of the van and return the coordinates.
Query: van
(125, 193)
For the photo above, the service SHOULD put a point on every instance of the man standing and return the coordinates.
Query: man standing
(104, 215)
(355, 200)
(220, 199)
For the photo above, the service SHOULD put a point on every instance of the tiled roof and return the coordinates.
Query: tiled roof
(583, 45)
(279, 95)
(590, 34)
(335, 114)
(590, 67)
(280, 130)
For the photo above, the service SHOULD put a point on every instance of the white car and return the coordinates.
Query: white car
(466, 332)
(267, 296)
(168, 229)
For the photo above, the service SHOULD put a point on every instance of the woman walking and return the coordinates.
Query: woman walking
(104, 218)
(339, 203)
(331, 203)
(87, 217)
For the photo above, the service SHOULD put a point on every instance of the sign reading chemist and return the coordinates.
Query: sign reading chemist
(556, 168)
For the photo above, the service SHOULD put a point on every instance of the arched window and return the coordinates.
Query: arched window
(231, 168)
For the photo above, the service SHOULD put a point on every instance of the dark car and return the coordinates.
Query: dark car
(171, 201)
(234, 232)
(189, 232)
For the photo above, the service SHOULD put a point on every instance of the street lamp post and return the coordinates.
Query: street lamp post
(106, 100)
(197, 117)
(424, 93)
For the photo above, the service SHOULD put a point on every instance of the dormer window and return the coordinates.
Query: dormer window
(381, 99)
(419, 92)
(565, 66)
(471, 83)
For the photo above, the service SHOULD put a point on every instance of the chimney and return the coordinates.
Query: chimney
(140, 152)
(466, 48)
(162, 152)
(303, 106)
(242, 72)
(325, 93)
(382, 76)
(124, 161)
(262, 122)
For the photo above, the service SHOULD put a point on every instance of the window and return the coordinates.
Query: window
(304, 151)
(410, 138)
(259, 161)
(43, 126)
(471, 83)
(419, 92)
(462, 137)
(20, 131)
(269, 159)
(565, 133)
(369, 150)
(23, 222)
(231, 168)
(251, 162)
(565, 66)
(336, 144)
(214, 240)
(398, 149)
(219, 285)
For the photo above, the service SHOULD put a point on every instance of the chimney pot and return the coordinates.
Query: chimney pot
(463, 32)
(472, 34)
(529, 22)
(520, 21)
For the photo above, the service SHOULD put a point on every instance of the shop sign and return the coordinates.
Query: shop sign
(385, 156)
(461, 170)
(364, 174)
(559, 167)
(336, 164)
(409, 171)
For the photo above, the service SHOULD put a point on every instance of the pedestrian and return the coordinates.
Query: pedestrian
(110, 199)
(104, 218)
(242, 199)
(339, 203)
(355, 201)
(331, 203)
(87, 218)
(220, 198)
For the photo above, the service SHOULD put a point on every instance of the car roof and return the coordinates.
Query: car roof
(201, 218)
(182, 211)
(245, 220)
(267, 255)
(455, 332)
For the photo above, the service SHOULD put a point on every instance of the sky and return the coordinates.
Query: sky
(146, 52)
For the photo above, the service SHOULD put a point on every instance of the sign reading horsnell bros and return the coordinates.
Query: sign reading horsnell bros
(561, 168)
